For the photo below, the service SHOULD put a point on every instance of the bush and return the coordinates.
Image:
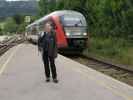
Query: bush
(116, 49)
(10, 26)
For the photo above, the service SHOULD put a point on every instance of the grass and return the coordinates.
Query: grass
(117, 50)
(2, 24)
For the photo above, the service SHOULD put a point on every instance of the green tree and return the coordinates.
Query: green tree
(1, 31)
(10, 25)
(19, 19)
(43, 7)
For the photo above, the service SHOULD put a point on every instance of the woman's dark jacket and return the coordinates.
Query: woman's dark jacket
(48, 44)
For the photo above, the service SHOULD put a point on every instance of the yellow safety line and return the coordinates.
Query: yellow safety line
(8, 60)
(123, 95)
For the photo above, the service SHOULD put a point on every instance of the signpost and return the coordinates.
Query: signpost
(27, 19)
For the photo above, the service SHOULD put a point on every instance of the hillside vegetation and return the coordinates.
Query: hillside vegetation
(8, 8)
(14, 25)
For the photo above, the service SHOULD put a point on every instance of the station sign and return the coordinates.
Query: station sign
(27, 19)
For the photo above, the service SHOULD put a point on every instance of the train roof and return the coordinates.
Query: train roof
(59, 13)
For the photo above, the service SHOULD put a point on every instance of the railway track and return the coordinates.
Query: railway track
(108, 63)
(10, 43)
(119, 72)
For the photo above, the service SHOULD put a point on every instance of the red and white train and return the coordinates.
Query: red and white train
(70, 27)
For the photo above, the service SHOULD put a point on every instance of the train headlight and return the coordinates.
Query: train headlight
(85, 34)
(67, 34)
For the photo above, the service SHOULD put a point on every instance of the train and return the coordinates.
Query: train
(70, 27)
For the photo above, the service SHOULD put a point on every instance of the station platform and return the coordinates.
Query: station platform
(22, 78)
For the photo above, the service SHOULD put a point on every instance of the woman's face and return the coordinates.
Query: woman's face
(47, 28)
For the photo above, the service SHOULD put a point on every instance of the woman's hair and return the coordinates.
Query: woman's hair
(52, 24)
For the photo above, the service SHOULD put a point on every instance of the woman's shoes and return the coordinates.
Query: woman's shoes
(47, 79)
(55, 80)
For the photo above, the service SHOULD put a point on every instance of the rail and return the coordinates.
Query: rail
(10, 43)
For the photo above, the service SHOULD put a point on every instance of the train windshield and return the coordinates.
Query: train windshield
(71, 20)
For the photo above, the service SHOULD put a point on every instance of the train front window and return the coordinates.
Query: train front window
(70, 20)
(74, 24)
